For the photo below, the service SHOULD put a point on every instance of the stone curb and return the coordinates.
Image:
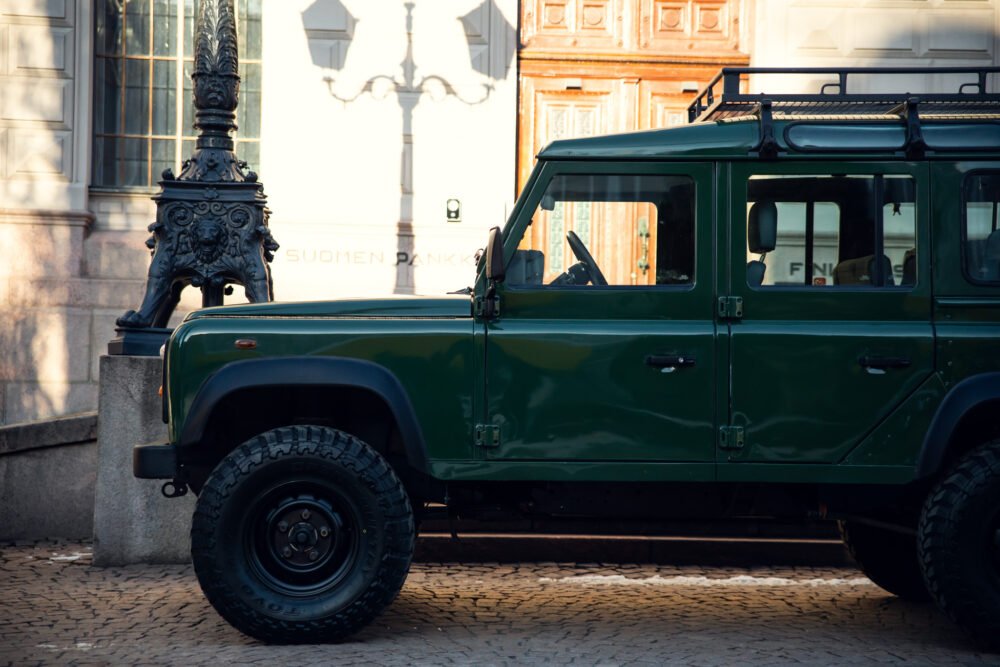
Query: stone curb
(75, 429)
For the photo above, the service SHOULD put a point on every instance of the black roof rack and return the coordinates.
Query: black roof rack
(834, 98)
(970, 100)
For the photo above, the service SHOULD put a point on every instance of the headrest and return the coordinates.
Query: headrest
(755, 273)
(762, 226)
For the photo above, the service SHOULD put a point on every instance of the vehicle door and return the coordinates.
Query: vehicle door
(831, 265)
(604, 347)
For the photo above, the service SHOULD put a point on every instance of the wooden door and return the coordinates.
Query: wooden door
(562, 108)
(591, 67)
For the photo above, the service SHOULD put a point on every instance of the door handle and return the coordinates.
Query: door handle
(668, 363)
(874, 364)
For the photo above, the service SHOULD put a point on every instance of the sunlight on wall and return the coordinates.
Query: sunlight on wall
(861, 33)
(45, 367)
(378, 115)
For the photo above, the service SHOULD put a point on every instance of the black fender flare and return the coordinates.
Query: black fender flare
(957, 403)
(304, 372)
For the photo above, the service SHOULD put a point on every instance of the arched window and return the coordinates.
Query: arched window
(143, 112)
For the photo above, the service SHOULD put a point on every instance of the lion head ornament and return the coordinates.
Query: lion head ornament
(208, 239)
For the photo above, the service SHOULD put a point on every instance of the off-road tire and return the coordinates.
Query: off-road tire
(957, 544)
(245, 572)
(888, 558)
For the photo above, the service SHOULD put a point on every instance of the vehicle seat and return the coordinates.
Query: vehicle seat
(526, 268)
(858, 271)
(909, 268)
(991, 257)
(762, 237)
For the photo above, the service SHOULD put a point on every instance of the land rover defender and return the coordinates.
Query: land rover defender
(789, 307)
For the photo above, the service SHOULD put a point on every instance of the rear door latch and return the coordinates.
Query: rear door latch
(487, 435)
(731, 437)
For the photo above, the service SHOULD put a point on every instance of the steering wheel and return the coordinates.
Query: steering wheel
(582, 254)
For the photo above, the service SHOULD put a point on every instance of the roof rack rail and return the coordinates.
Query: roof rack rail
(834, 97)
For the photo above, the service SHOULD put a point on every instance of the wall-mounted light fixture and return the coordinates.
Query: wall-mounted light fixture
(453, 210)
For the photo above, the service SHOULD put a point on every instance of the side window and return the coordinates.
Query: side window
(981, 261)
(828, 231)
(602, 229)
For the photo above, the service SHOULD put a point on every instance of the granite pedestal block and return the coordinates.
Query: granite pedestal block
(133, 521)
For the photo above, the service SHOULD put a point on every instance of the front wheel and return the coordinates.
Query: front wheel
(959, 544)
(302, 534)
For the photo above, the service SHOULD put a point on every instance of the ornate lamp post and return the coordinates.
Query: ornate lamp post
(211, 221)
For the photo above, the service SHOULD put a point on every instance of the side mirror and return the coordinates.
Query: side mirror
(494, 256)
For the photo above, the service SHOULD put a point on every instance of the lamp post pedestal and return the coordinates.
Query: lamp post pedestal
(211, 227)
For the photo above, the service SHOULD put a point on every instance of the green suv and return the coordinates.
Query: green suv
(788, 308)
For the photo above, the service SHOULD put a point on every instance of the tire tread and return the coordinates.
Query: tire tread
(960, 596)
(312, 441)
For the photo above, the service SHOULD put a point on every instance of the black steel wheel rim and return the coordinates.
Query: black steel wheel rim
(302, 538)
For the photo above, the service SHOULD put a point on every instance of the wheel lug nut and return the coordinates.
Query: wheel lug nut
(286, 552)
(305, 515)
(324, 532)
(313, 555)
(283, 526)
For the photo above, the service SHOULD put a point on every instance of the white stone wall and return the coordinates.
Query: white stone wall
(866, 33)
(358, 197)
(44, 105)
(45, 299)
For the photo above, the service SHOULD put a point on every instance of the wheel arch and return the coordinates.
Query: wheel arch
(283, 380)
(969, 408)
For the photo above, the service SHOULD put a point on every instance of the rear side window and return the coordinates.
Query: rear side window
(830, 231)
(981, 256)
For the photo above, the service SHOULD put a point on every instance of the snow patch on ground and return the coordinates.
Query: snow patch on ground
(708, 582)
(63, 558)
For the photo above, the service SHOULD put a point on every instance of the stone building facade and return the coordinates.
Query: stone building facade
(389, 135)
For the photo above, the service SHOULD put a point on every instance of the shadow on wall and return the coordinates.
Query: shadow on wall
(330, 27)
(332, 21)
(40, 252)
(45, 363)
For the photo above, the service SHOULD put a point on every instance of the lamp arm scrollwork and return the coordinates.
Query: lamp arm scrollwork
(451, 90)
(368, 87)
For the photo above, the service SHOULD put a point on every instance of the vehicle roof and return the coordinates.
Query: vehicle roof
(813, 137)
(696, 140)
(840, 118)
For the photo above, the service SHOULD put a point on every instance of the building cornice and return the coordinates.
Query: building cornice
(633, 58)
(31, 216)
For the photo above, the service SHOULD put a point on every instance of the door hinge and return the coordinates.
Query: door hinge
(730, 307)
(487, 435)
(730, 437)
(482, 307)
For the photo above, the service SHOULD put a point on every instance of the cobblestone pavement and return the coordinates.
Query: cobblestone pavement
(55, 608)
